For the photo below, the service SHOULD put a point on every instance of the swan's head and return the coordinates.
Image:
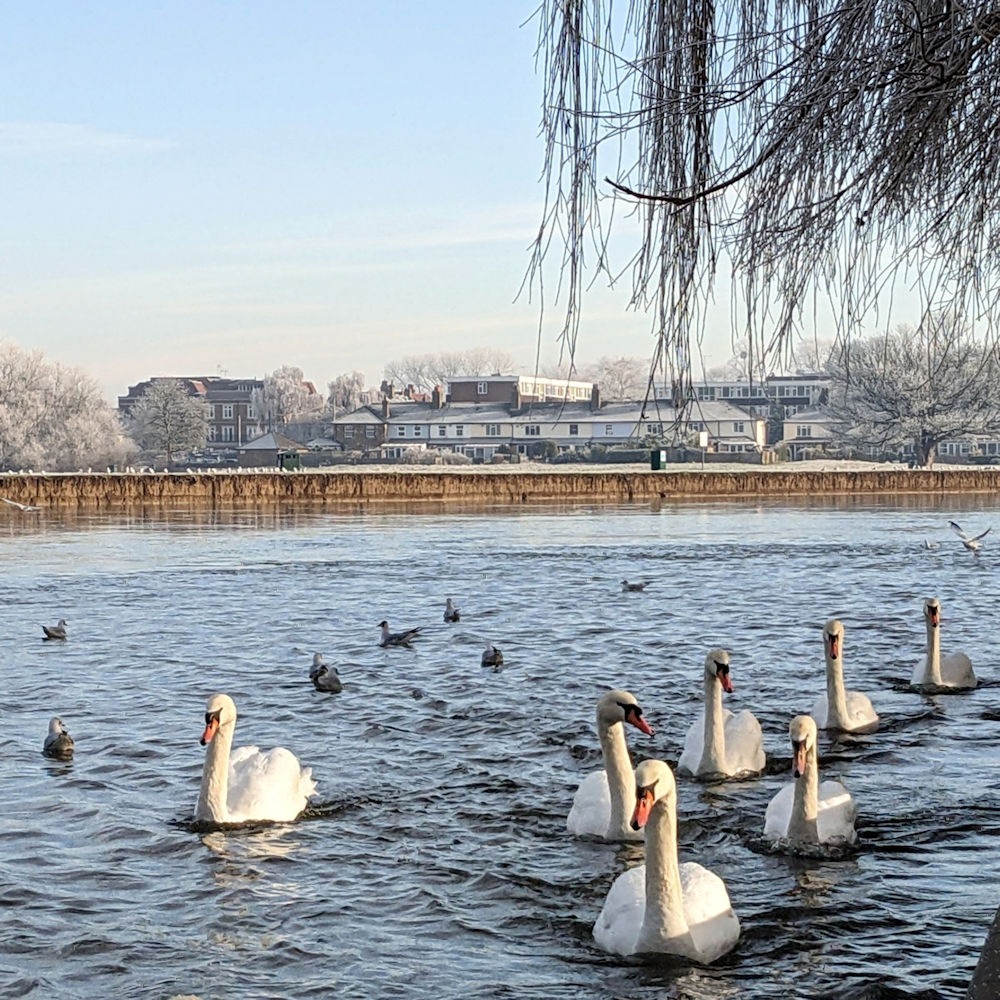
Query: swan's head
(622, 706)
(932, 611)
(833, 638)
(717, 666)
(57, 727)
(219, 711)
(653, 781)
(802, 731)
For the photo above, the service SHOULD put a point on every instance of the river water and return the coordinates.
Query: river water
(435, 861)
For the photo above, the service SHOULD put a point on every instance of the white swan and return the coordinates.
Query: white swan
(603, 804)
(848, 711)
(719, 743)
(250, 785)
(664, 906)
(952, 673)
(807, 813)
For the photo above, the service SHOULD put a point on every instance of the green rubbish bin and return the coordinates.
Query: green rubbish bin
(658, 459)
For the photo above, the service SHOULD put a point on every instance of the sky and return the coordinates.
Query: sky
(201, 188)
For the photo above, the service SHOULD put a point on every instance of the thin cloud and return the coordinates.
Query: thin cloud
(34, 138)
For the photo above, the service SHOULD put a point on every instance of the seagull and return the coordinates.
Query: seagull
(19, 506)
(451, 613)
(396, 638)
(931, 545)
(58, 742)
(324, 677)
(971, 542)
(55, 631)
(634, 588)
(492, 657)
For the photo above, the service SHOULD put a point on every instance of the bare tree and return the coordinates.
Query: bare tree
(54, 417)
(425, 371)
(167, 419)
(830, 148)
(619, 378)
(287, 396)
(916, 386)
(345, 391)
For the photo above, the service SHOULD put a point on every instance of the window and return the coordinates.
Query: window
(251, 412)
(228, 433)
(227, 411)
(348, 431)
(416, 430)
(401, 431)
(804, 431)
(532, 430)
(654, 428)
(212, 432)
(574, 429)
(482, 388)
(459, 431)
(738, 427)
(369, 432)
(493, 430)
(725, 392)
(609, 430)
(697, 425)
(442, 431)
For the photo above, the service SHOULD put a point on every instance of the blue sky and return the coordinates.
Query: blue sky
(193, 188)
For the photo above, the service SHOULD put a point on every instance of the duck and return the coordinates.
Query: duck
(634, 588)
(57, 631)
(403, 638)
(665, 906)
(603, 803)
(325, 678)
(937, 674)
(451, 613)
(249, 785)
(806, 813)
(848, 711)
(492, 657)
(720, 744)
(58, 742)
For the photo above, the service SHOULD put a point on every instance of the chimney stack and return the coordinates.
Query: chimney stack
(595, 397)
(437, 398)
(385, 407)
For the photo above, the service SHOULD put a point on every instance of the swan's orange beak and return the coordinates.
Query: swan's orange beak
(210, 730)
(834, 646)
(934, 615)
(643, 803)
(639, 722)
(727, 684)
(799, 759)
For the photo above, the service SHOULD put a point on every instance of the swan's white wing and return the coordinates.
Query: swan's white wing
(744, 743)
(779, 813)
(590, 813)
(836, 815)
(820, 711)
(860, 713)
(714, 926)
(620, 920)
(271, 785)
(920, 672)
(957, 672)
(694, 744)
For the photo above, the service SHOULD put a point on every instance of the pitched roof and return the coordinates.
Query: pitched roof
(272, 442)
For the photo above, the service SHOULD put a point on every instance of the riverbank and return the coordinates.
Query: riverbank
(514, 484)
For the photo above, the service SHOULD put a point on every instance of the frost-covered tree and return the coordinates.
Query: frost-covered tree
(287, 396)
(425, 371)
(167, 419)
(345, 391)
(54, 417)
(812, 150)
(916, 386)
(618, 378)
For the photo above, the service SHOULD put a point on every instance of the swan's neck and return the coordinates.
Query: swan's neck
(805, 803)
(713, 753)
(621, 778)
(663, 919)
(212, 799)
(932, 665)
(836, 696)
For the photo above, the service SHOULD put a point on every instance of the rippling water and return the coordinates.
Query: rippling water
(435, 862)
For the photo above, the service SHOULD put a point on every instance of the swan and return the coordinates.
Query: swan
(250, 785)
(664, 906)
(57, 631)
(807, 813)
(58, 742)
(602, 805)
(719, 743)
(848, 711)
(451, 613)
(397, 638)
(939, 676)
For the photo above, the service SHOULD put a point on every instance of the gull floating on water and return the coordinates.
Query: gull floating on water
(324, 677)
(397, 638)
(57, 631)
(634, 588)
(931, 545)
(451, 613)
(492, 657)
(19, 506)
(971, 542)
(58, 742)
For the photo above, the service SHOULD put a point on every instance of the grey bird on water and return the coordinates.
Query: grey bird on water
(324, 677)
(58, 743)
(57, 631)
